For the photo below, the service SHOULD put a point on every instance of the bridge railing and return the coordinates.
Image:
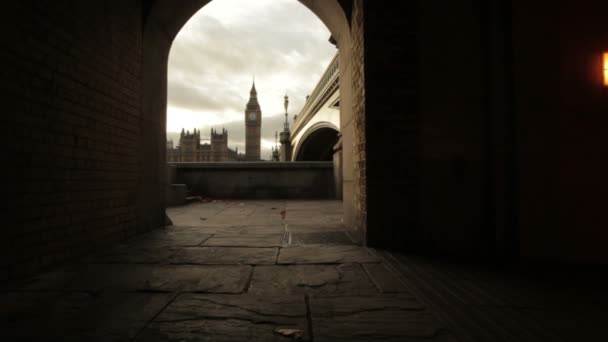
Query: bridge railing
(326, 86)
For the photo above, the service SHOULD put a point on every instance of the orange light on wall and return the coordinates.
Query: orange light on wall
(606, 69)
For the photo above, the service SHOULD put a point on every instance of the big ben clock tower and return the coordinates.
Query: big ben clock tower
(253, 124)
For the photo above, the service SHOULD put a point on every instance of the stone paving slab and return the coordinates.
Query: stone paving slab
(313, 205)
(274, 215)
(130, 255)
(314, 228)
(347, 279)
(113, 316)
(374, 318)
(55, 280)
(169, 238)
(225, 256)
(240, 210)
(230, 230)
(274, 240)
(305, 219)
(247, 213)
(212, 279)
(585, 323)
(326, 255)
(196, 317)
(189, 215)
(241, 221)
(268, 211)
(195, 208)
(324, 237)
(218, 279)
(26, 306)
(268, 231)
(385, 280)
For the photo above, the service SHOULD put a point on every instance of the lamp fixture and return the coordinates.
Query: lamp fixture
(605, 66)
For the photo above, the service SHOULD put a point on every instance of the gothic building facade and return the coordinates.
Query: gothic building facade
(191, 150)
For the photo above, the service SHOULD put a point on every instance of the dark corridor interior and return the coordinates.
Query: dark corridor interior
(486, 121)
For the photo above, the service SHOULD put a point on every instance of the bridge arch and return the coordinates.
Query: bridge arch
(317, 143)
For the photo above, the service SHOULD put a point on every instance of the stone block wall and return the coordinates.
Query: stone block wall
(71, 128)
(359, 146)
(386, 120)
(258, 180)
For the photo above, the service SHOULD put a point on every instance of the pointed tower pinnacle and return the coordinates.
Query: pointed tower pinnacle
(253, 92)
(253, 99)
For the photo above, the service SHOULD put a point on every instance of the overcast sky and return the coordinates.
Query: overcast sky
(216, 54)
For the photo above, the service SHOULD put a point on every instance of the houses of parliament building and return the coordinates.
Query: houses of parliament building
(191, 150)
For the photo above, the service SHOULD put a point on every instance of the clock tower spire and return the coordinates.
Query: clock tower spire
(253, 125)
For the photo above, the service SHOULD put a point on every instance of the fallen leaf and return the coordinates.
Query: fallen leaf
(297, 333)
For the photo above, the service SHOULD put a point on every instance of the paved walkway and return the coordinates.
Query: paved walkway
(255, 271)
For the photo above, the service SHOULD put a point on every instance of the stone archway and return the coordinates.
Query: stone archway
(164, 20)
(317, 143)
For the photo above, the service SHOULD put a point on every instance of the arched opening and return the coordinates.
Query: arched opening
(244, 81)
(241, 79)
(166, 18)
(501, 154)
(318, 144)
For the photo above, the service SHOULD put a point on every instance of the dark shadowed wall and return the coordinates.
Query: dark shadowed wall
(483, 126)
(72, 121)
(562, 115)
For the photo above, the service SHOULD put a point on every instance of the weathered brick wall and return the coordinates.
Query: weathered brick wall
(358, 70)
(388, 164)
(561, 129)
(71, 122)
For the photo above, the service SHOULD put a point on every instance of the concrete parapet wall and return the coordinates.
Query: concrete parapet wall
(258, 179)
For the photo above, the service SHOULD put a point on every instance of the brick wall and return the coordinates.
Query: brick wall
(389, 164)
(71, 84)
(358, 72)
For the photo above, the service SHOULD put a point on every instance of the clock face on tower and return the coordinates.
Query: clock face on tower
(251, 116)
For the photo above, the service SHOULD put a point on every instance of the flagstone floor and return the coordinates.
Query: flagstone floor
(252, 271)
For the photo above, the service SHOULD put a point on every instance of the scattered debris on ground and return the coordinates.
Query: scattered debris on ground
(295, 333)
(191, 199)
